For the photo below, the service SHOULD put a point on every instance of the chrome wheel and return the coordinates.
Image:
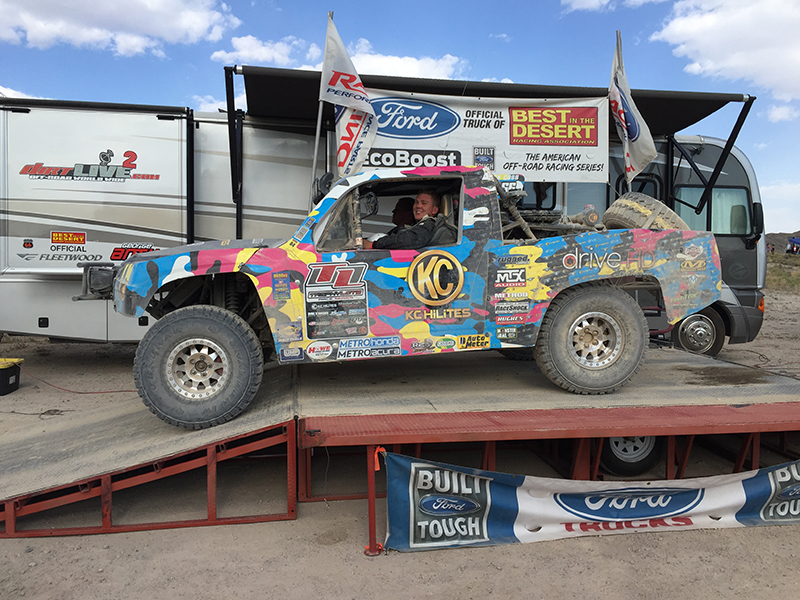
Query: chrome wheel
(596, 340)
(197, 368)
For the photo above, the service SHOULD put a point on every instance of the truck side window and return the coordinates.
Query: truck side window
(337, 234)
(729, 210)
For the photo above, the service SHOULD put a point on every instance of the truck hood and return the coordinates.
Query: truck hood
(213, 245)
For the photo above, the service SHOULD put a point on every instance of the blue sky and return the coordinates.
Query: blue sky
(172, 52)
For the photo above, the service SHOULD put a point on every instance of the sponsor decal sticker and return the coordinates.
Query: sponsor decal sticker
(510, 319)
(435, 277)
(506, 333)
(468, 342)
(281, 286)
(292, 354)
(319, 350)
(437, 314)
(510, 278)
(103, 170)
(27, 243)
(67, 237)
(369, 347)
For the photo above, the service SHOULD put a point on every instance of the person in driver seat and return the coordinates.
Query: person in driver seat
(430, 227)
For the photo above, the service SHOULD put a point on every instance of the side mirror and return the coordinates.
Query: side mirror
(367, 205)
(322, 185)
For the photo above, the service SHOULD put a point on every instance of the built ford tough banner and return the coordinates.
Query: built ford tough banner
(433, 505)
(538, 140)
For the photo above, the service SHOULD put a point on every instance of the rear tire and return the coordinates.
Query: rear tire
(640, 211)
(592, 339)
(700, 333)
(198, 366)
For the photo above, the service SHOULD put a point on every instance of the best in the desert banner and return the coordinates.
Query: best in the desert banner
(540, 140)
(433, 505)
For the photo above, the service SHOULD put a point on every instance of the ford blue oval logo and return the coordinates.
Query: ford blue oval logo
(631, 503)
(446, 505)
(790, 493)
(406, 118)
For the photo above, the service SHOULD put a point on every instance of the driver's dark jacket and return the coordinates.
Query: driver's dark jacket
(427, 231)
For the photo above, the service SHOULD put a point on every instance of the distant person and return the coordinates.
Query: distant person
(430, 227)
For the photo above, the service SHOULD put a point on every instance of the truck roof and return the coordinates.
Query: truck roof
(666, 112)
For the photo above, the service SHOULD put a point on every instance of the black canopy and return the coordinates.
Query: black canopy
(287, 97)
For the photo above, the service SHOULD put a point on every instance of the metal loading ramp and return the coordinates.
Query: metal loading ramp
(478, 396)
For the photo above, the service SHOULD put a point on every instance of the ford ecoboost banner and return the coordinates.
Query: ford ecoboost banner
(536, 140)
(434, 505)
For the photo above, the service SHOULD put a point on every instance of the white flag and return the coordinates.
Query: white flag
(356, 125)
(340, 82)
(637, 143)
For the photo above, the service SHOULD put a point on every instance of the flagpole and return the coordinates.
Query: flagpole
(316, 136)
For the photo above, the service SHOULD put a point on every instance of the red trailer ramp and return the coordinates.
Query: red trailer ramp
(123, 446)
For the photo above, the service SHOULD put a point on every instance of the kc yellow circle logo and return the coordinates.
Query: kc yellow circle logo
(435, 277)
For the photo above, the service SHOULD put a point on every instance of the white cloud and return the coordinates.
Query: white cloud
(598, 5)
(314, 52)
(777, 114)
(125, 28)
(251, 50)
(211, 104)
(9, 93)
(503, 37)
(366, 60)
(754, 40)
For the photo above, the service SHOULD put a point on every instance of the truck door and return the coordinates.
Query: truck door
(411, 300)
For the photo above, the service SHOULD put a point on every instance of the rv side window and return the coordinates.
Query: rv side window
(730, 214)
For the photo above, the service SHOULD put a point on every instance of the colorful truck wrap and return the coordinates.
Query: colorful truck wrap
(322, 296)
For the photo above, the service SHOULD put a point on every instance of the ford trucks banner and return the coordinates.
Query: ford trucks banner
(433, 505)
(538, 140)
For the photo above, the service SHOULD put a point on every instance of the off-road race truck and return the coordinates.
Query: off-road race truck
(509, 282)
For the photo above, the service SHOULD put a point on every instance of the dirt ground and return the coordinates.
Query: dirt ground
(320, 555)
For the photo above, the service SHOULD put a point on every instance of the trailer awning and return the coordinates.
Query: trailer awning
(291, 97)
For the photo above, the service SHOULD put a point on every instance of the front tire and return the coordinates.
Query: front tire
(592, 339)
(198, 366)
(700, 333)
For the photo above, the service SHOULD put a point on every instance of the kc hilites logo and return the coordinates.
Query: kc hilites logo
(435, 277)
(103, 170)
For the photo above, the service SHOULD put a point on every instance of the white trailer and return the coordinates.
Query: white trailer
(86, 182)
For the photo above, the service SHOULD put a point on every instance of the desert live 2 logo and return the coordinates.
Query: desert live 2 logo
(103, 170)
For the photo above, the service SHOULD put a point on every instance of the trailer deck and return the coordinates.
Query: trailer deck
(465, 397)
